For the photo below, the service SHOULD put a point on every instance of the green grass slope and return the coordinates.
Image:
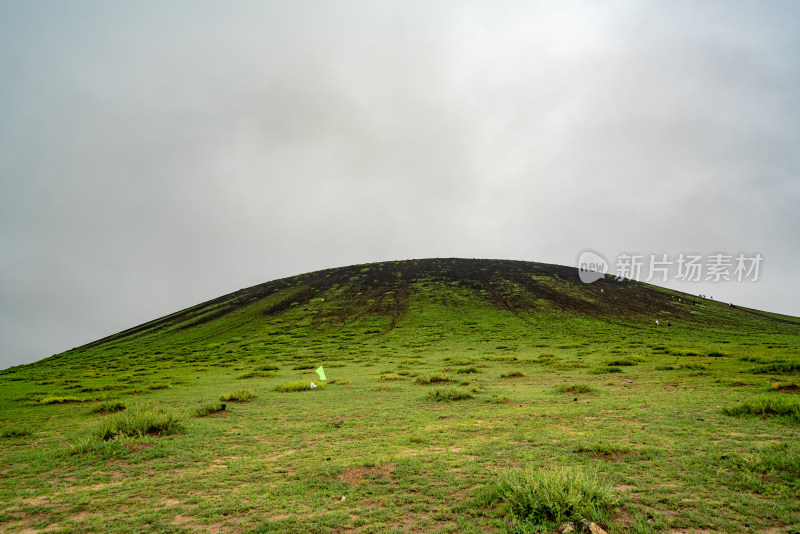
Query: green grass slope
(462, 396)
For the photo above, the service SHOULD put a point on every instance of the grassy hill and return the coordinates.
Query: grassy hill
(456, 390)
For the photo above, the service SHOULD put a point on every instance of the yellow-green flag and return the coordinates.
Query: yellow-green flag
(321, 373)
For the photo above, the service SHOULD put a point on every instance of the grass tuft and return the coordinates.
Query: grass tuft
(778, 368)
(59, 400)
(576, 388)
(209, 408)
(767, 406)
(242, 395)
(550, 495)
(513, 374)
(108, 407)
(385, 377)
(137, 422)
(15, 432)
(606, 370)
(340, 381)
(432, 378)
(257, 374)
(299, 385)
(621, 362)
(449, 395)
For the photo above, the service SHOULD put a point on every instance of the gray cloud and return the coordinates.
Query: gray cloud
(153, 156)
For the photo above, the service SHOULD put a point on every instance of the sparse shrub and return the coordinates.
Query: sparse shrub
(15, 432)
(299, 385)
(242, 395)
(513, 374)
(108, 407)
(59, 400)
(432, 378)
(551, 495)
(576, 388)
(388, 376)
(449, 394)
(210, 408)
(137, 422)
(467, 370)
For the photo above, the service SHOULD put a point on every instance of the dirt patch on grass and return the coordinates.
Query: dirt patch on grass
(80, 516)
(191, 523)
(37, 501)
(49, 528)
(355, 475)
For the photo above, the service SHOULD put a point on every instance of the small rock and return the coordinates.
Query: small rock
(344, 497)
(594, 528)
(566, 528)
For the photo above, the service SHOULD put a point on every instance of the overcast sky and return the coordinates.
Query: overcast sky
(154, 155)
